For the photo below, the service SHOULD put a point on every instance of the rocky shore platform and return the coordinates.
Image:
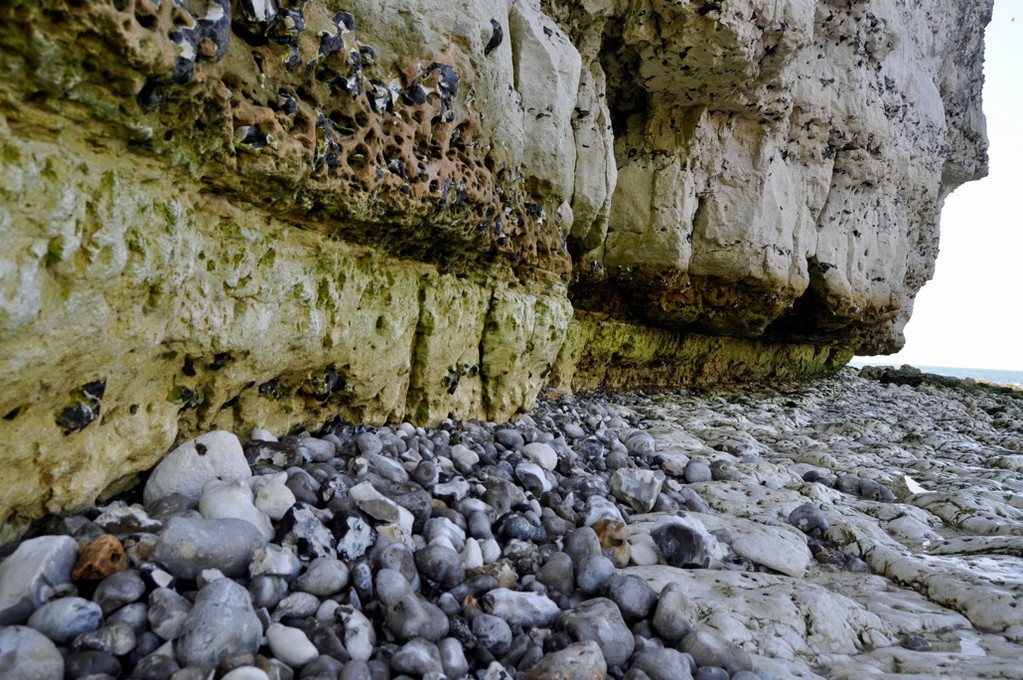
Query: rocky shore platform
(850, 527)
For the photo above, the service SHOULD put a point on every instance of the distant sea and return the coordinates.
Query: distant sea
(988, 375)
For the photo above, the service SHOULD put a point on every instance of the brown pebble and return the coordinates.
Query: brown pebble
(614, 540)
(99, 558)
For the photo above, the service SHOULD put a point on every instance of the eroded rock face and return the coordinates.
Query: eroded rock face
(261, 212)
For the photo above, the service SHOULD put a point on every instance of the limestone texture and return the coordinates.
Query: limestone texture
(223, 214)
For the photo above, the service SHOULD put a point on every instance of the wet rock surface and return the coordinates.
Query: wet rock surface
(835, 529)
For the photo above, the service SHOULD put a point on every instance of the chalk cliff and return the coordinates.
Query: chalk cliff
(274, 212)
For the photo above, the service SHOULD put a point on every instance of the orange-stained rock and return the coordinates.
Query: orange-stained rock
(99, 559)
(614, 539)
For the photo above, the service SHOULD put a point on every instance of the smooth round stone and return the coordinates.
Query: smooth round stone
(593, 573)
(582, 543)
(323, 577)
(875, 491)
(848, 484)
(90, 662)
(246, 673)
(34, 573)
(493, 632)
(509, 438)
(27, 653)
(215, 455)
(425, 473)
(323, 667)
(634, 596)
(542, 454)
(369, 442)
(558, 573)
(452, 657)
(809, 519)
(417, 657)
(223, 500)
(119, 589)
(520, 608)
(441, 565)
(478, 525)
(400, 558)
(672, 616)
(579, 660)
(189, 545)
(117, 639)
(572, 430)
(600, 620)
(407, 615)
(318, 450)
(290, 645)
(65, 618)
(680, 545)
(709, 650)
(706, 673)
(640, 443)
(472, 554)
(221, 622)
(697, 471)
(663, 663)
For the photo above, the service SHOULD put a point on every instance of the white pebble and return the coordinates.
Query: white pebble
(290, 645)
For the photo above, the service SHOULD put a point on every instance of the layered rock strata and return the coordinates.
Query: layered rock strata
(220, 214)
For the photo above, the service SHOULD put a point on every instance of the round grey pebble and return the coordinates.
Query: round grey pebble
(557, 573)
(441, 564)
(697, 471)
(710, 673)
(680, 545)
(221, 622)
(600, 621)
(663, 663)
(633, 595)
(134, 615)
(723, 471)
(27, 653)
(672, 620)
(494, 632)
(809, 519)
(593, 573)
(452, 657)
(119, 589)
(581, 543)
(91, 662)
(64, 619)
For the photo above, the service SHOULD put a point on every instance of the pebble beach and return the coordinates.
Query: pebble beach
(850, 527)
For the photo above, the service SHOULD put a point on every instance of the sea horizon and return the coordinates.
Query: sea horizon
(989, 375)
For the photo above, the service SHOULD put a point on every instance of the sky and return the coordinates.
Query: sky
(970, 314)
